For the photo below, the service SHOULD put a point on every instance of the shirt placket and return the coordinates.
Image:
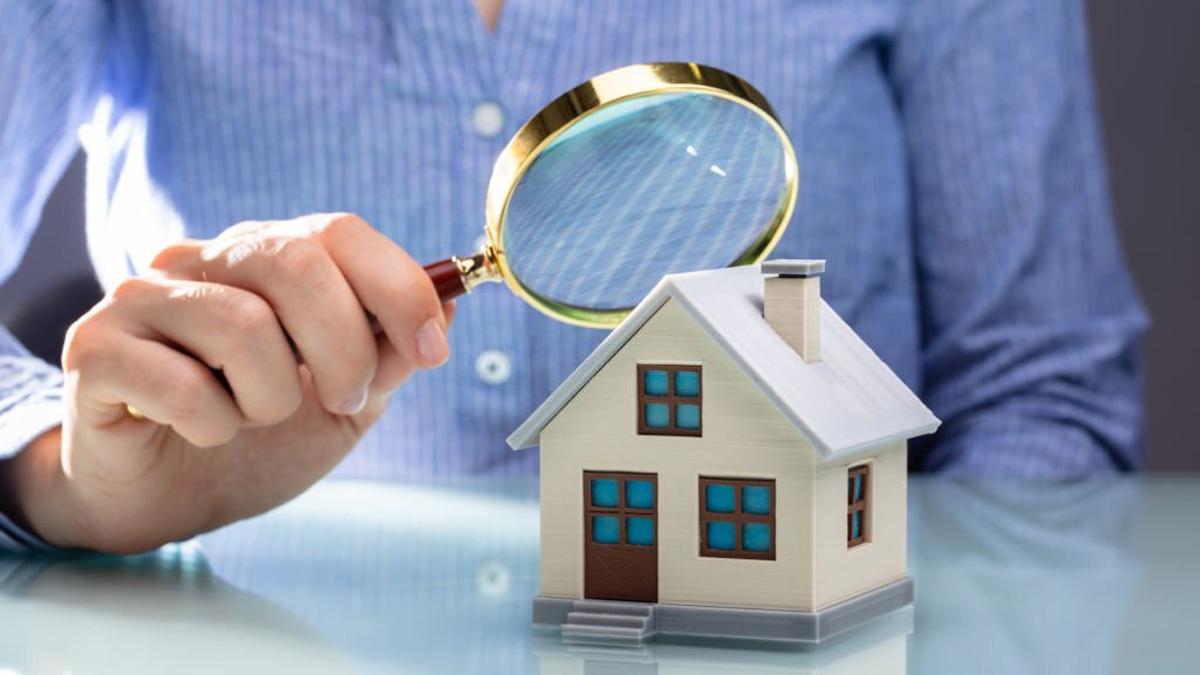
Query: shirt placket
(488, 383)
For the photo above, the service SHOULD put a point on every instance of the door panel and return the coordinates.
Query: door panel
(620, 536)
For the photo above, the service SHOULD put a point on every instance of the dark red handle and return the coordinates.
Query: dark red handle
(447, 279)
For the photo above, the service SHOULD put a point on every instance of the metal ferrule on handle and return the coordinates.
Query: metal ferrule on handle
(455, 276)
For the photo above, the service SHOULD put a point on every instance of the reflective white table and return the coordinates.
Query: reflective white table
(1091, 577)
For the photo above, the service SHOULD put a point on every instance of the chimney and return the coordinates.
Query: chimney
(792, 303)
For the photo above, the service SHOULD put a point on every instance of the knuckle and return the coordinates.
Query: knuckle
(132, 290)
(171, 256)
(246, 314)
(242, 228)
(84, 342)
(341, 224)
(297, 257)
(182, 393)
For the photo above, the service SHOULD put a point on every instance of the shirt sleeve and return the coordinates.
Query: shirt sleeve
(1030, 323)
(51, 59)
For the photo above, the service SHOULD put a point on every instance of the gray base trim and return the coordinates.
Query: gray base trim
(551, 612)
(754, 624)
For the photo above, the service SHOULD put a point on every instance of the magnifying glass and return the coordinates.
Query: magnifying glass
(640, 172)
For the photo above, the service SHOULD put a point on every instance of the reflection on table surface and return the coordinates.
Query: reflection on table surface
(1096, 576)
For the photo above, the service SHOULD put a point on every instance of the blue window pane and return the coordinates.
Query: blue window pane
(718, 498)
(719, 535)
(655, 382)
(756, 537)
(858, 488)
(855, 524)
(687, 383)
(687, 416)
(756, 499)
(639, 531)
(657, 415)
(606, 529)
(604, 493)
(639, 494)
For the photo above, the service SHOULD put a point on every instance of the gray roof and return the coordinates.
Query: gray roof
(847, 401)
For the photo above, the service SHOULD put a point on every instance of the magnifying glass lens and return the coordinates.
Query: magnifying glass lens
(652, 185)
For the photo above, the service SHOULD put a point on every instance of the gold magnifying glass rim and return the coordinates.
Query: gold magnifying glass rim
(611, 87)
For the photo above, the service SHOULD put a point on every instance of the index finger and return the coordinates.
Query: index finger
(389, 284)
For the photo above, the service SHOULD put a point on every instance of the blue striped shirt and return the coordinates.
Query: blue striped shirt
(951, 173)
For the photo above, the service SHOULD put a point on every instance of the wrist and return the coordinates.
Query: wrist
(35, 494)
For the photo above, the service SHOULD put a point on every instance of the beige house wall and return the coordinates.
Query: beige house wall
(841, 572)
(745, 436)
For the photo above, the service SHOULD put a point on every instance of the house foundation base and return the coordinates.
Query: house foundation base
(613, 621)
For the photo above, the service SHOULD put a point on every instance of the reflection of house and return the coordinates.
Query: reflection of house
(738, 466)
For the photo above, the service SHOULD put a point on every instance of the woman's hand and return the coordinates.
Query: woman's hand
(232, 420)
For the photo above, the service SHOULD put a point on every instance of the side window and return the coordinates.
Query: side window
(669, 400)
(858, 501)
(620, 509)
(737, 518)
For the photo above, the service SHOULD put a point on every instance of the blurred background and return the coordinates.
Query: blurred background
(1144, 56)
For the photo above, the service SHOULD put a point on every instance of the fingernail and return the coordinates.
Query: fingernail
(354, 404)
(431, 343)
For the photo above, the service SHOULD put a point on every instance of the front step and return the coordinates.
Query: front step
(616, 636)
(613, 607)
(610, 623)
(615, 620)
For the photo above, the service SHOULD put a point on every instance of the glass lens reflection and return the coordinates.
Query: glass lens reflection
(644, 187)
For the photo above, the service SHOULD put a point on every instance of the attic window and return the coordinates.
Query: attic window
(669, 400)
(857, 499)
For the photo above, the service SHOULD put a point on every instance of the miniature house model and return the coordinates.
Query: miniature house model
(731, 461)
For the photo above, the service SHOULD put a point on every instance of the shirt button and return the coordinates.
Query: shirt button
(493, 366)
(493, 579)
(487, 119)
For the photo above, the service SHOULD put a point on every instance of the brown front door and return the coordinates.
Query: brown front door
(620, 536)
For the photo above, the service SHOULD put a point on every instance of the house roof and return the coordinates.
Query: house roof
(847, 401)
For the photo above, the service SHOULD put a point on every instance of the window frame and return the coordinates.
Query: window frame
(670, 399)
(738, 518)
(861, 506)
(620, 511)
